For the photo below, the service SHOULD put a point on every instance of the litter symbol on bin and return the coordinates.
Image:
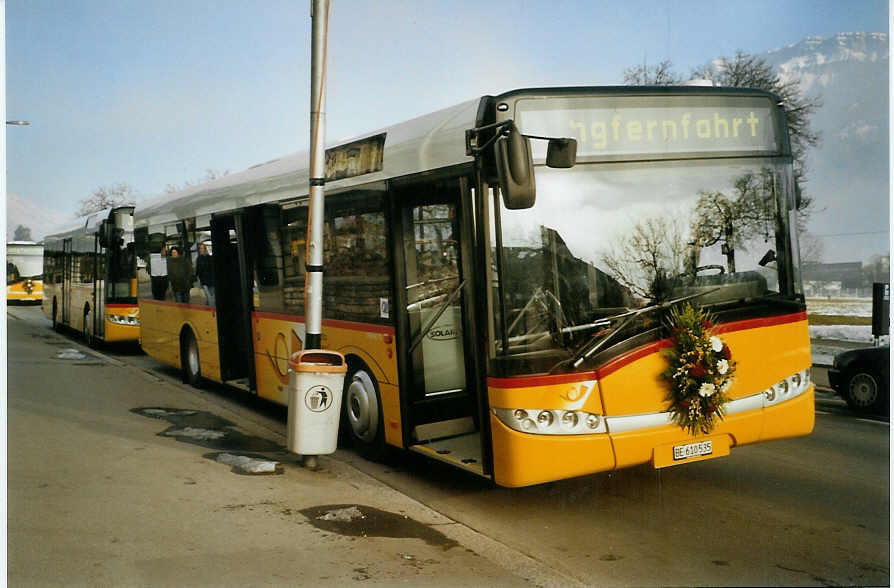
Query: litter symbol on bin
(318, 398)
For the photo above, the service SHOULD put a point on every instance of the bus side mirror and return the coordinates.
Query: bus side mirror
(104, 236)
(561, 153)
(515, 169)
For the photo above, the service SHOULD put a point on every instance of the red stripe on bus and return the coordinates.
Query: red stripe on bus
(762, 322)
(639, 353)
(528, 381)
(121, 305)
(367, 327)
(747, 324)
(177, 304)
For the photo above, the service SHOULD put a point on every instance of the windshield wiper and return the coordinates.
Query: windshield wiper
(600, 339)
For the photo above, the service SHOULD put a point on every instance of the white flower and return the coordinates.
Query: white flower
(716, 344)
(706, 390)
(726, 386)
(722, 366)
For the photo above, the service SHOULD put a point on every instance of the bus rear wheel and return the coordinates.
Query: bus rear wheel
(189, 359)
(362, 410)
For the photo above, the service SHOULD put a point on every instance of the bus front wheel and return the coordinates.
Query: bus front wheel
(362, 409)
(189, 359)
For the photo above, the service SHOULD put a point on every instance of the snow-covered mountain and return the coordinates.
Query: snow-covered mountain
(21, 211)
(849, 173)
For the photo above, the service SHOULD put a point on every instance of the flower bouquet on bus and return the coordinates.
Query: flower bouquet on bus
(699, 373)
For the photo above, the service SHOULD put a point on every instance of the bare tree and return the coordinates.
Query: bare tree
(652, 75)
(812, 248)
(210, 174)
(650, 258)
(733, 219)
(103, 197)
(22, 233)
(749, 71)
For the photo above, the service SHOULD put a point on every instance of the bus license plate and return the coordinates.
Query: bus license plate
(697, 449)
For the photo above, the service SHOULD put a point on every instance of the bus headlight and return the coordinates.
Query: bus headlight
(544, 421)
(117, 319)
(789, 388)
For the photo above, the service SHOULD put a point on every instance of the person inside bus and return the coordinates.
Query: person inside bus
(158, 268)
(180, 274)
(205, 273)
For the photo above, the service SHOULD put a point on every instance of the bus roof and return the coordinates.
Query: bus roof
(426, 143)
(85, 225)
(429, 142)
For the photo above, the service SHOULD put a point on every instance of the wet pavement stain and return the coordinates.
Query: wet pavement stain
(356, 520)
(247, 455)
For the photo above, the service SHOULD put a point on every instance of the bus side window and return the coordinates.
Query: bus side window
(293, 242)
(268, 266)
(357, 265)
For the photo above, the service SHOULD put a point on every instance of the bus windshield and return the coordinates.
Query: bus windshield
(120, 251)
(20, 266)
(606, 239)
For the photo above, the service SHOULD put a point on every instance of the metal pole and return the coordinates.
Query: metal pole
(313, 282)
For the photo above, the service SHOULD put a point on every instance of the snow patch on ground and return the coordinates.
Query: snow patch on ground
(343, 515)
(162, 412)
(196, 433)
(70, 354)
(854, 307)
(248, 465)
(857, 333)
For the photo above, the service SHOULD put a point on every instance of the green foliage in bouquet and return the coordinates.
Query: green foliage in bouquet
(699, 373)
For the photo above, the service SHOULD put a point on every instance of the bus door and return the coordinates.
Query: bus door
(66, 281)
(234, 299)
(438, 388)
(101, 268)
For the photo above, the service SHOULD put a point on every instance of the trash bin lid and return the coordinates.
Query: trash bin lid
(318, 360)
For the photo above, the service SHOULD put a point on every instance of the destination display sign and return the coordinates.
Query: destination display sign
(652, 125)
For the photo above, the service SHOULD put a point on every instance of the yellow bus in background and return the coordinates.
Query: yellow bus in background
(501, 276)
(24, 272)
(90, 284)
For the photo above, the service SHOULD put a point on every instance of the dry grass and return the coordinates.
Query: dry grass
(838, 319)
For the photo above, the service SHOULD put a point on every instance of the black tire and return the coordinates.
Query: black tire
(190, 365)
(362, 417)
(864, 390)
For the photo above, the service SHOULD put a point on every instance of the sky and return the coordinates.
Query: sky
(155, 92)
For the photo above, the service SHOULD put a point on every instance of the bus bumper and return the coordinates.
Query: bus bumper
(523, 459)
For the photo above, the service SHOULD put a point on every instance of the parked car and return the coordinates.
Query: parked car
(862, 377)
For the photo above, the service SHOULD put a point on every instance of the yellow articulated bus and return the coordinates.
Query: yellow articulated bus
(533, 286)
(24, 272)
(90, 284)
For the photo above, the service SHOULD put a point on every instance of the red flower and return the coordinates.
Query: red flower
(697, 371)
(707, 324)
(684, 404)
(710, 410)
(725, 352)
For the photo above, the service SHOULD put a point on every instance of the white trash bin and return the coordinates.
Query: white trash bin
(316, 380)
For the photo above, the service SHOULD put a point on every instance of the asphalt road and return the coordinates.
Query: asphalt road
(808, 511)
